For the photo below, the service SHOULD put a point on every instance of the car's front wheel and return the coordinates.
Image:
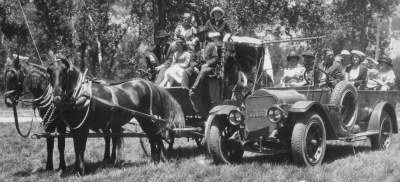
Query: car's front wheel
(308, 141)
(221, 148)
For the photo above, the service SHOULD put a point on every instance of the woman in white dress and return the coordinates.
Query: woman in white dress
(293, 75)
(180, 61)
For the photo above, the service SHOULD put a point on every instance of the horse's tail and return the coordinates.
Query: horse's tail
(171, 110)
(120, 141)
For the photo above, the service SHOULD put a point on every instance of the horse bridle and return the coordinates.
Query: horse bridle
(15, 86)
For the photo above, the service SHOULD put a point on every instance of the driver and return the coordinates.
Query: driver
(332, 68)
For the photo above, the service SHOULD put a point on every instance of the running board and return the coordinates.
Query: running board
(352, 137)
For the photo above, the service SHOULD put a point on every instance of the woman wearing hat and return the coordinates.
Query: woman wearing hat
(386, 77)
(293, 74)
(180, 61)
(186, 30)
(217, 24)
(357, 72)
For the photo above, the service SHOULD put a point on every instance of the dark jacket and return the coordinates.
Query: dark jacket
(211, 54)
(361, 79)
(164, 56)
(334, 70)
(222, 27)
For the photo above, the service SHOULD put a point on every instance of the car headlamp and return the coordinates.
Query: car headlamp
(275, 114)
(235, 117)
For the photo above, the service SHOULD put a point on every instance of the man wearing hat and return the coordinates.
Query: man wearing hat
(210, 56)
(217, 24)
(197, 57)
(164, 52)
(309, 59)
(332, 69)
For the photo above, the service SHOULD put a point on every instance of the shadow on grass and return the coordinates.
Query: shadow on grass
(332, 153)
(335, 152)
(91, 168)
(186, 152)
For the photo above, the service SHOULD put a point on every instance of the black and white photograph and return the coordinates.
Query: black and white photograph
(200, 90)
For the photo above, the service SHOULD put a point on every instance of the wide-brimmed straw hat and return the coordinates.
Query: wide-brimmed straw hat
(358, 53)
(308, 54)
(386, 60)
(293, 54)
(217, 9)
(162, 34)
(345, 52)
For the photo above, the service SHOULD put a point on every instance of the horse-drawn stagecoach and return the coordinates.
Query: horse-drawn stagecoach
(66, 98)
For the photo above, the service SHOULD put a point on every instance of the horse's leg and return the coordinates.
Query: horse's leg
(106, 158)
(80, 138)
(50, 147)
(117, 142)
(61, 146)
(160, 149)
(153, 146)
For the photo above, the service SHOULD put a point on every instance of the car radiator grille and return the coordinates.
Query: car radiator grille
(257, 123)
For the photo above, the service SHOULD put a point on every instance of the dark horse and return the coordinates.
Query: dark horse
(24, 77)
(103, 102)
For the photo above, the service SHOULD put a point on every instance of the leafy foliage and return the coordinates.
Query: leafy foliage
(104, 35)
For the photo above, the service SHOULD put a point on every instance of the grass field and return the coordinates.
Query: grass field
(24, 160)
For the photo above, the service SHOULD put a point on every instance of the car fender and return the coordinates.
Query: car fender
(304, 106)
(374, 120)
(214, 112)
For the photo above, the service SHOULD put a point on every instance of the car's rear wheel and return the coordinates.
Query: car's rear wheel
(221, 148)
(308, 141)
(384, 138)
(344, 96)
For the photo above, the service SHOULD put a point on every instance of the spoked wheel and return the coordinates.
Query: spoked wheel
(222, 150)
(309, 140)
(384, 138)
(145, 144)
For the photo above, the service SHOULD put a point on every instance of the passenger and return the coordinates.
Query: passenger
(196, 59)
(357, 72)
(309, 62)
(187, 31)
(180, 61)
(238, 82)
(345, 54)
(164, 52)
(372, 74)
(386, 77)
(211, 60)
(293, 74)
(217, 24)
(333, 68)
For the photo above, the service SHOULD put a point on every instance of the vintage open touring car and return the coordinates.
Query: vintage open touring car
(299, 120)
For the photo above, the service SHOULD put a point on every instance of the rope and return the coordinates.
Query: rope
(30, 33)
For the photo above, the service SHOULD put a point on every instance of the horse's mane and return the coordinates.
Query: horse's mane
(33, 79)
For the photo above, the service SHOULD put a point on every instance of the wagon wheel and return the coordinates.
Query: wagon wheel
(145, 144)
(384, 138)
(309, 140)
